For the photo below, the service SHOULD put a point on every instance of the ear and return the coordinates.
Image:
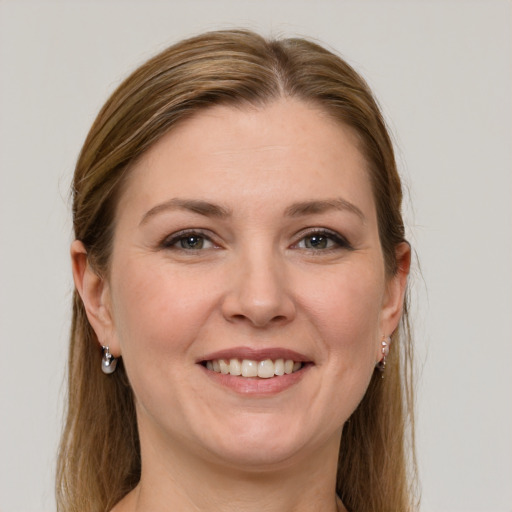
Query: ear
(393, 303)
(95, 294)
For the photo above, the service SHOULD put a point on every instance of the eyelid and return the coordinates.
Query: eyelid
(340, 240)
(170, 240)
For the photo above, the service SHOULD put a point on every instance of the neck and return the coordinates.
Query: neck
(173, 479)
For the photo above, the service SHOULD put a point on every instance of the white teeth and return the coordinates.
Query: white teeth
(235, 368)
(251, 368)
(266, 369)
(224, 366)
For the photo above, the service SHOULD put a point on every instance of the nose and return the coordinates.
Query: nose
(259, 293)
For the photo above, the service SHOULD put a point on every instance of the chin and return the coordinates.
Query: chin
(260, 444)
(257, 457)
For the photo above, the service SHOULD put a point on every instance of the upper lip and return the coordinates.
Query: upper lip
(255, 354)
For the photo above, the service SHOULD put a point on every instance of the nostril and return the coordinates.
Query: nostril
(259, 321)
(278, 318)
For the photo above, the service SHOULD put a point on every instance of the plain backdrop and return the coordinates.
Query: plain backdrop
(442, 72)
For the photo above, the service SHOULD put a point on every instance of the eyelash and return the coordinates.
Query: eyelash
(171, 241)
(339, 241)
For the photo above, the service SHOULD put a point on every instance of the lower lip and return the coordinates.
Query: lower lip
(255, 386)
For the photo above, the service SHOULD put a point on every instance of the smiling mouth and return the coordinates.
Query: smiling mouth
(264, 369)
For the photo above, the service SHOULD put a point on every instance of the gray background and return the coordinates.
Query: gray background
(442, 72)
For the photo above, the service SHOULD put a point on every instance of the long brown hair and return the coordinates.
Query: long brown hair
(99, 460)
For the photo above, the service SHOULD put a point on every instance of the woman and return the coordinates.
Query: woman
(240, 268)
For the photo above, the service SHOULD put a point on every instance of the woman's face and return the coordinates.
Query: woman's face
(247, 238)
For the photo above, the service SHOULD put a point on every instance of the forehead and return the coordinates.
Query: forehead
(287, 149)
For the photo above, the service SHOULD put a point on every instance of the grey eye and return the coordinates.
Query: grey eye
(317, 242)
(192, 242)
(322, 240)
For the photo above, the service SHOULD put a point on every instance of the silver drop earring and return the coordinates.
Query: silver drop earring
(108, 361)
(381, 365)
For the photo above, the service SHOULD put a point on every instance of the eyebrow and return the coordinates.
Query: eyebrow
(312, 207)
(208, 209)
(193, 205)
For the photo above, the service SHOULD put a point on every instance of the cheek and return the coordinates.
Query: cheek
(344, 310)
(158, 311)
(159, 315)
(345, 307)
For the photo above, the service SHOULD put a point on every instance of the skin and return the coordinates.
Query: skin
(259, 281)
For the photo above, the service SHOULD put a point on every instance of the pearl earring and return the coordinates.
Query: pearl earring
(108, 361)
